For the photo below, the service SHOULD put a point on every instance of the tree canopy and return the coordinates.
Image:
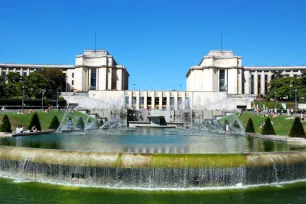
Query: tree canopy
(51, 80)
(284, 87)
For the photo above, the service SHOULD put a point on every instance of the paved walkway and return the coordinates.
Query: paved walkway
(5, 134)
(292, 141)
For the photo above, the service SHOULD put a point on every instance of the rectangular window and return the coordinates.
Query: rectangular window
(134, 100)
(252, 84)
(180, 103)
(149, 103)
(156, 102)
(72, 75)
(141, 102)
(93, 83)
(259, 84)
(164, 103)
(72, 82)
(127, 100)
(222, 80)
(24, 74)
(171, 103)
(3, 76)
(187, 103)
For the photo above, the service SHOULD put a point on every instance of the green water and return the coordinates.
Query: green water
(11, 192)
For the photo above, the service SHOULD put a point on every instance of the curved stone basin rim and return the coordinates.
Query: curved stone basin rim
(131, 160)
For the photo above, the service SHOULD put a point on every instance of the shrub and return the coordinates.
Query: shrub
(88, 121)
(236, 124)
(297, 129)
(101, 123)
(268, 128)
(34, 122)
(225, 123)
(250, 126)
(6, 125)
(80, 124)
(54, 123)
(96, 124)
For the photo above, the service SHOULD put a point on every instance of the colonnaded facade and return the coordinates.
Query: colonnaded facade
(219, 81)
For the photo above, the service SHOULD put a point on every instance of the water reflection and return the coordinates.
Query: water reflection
(145, 140)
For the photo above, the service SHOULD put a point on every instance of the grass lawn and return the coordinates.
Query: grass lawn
(44, 118)
(280, 124)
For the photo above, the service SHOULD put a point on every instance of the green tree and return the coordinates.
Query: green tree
(250, 126)
(5, 125)
(96, 124)
(268, 128)
(10, 90)
(56, 81)
(54, 123)
(284, 87)
(236, 124)
(34, 83)
(101, 123)
(297, 129)
(14, 78)
(13, 87)
(80, 124)
(224, 124)
(88, 121)
(34, 122)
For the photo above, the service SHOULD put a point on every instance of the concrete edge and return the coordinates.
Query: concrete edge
(129, 160)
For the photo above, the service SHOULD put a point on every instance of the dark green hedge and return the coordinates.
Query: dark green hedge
(31, 102)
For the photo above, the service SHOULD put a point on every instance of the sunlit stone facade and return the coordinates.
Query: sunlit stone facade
(223, 71)
(219, 81)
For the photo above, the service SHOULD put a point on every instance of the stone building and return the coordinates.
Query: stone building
(219, 81)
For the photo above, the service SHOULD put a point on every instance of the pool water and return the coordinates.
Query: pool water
(146, 140)
(12, 192)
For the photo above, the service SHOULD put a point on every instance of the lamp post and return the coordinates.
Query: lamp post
(42, 98)
(275, 102)
(22, 97)
(134, 86)
(180, 86)
(57, 99)
(296, 105)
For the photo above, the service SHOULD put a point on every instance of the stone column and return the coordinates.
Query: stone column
(89, 78)
(160, 101)
(183, 100)
(263, 83)
(175, 100)
(145, 101)
(291, 73)
(103, 76)
(255, 83)
(240, 81)
(130, 94)
(247, 82)
(119, 84)
(226, 77)
(109, 77)
(168, 100)
(152, 99)
(137, 100)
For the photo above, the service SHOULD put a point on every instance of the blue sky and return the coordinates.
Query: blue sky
(156, 40)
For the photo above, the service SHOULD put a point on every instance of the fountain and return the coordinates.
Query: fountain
(196, 158)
